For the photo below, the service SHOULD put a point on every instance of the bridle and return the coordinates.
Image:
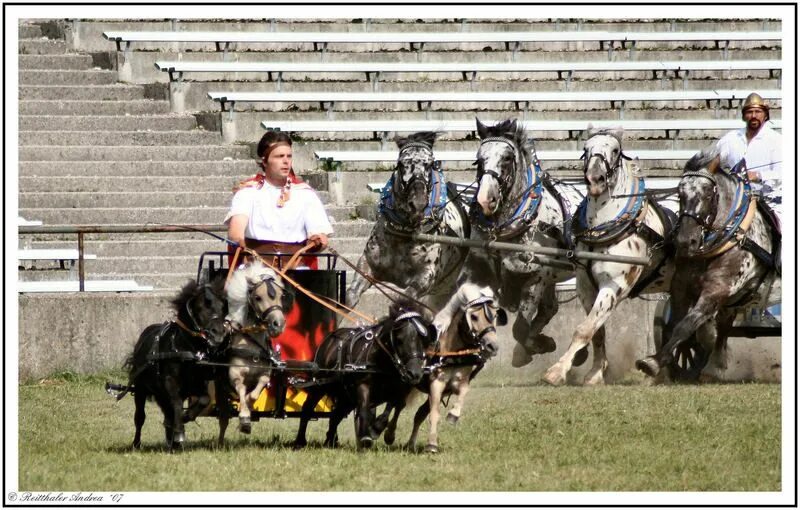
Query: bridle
(270, 282)
(508, 180)
(477, 339)
(392, 350)
(196, 329)
(403, 186)
(611, 170)
(705, 223)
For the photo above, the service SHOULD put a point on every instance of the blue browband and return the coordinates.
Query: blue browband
(436, 201)
(526, 210)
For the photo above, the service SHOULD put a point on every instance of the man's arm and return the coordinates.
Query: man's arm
(236, 227)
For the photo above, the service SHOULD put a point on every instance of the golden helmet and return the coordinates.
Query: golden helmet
(755, 101)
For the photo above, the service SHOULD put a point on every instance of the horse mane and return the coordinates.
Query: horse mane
(702, 159)
(405, 305)
(186, 293)
(514, 131)
(426, 137)
(467, 292)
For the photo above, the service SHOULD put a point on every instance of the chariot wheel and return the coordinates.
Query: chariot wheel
(689, 357)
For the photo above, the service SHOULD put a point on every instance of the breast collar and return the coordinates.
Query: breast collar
(741, 203)
(437, 200)
(611, 230)
(523, 216)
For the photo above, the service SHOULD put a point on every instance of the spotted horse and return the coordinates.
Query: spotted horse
(728, 249)
(616, 217)
(416, 199)
(517, 202)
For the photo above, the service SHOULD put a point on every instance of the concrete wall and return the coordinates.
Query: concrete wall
(95, 332)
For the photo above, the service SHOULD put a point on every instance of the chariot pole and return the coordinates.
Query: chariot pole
(540, 250)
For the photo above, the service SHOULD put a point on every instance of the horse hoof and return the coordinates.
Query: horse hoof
(649, 366)
(543, 344)
(431, 448)
(553, 377)
(388, 438)
(580, 357)
(520, 357)
(452, 419)
(245, 426)
(365, 442)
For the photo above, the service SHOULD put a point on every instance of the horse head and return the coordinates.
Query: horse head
(698, 194)
(477, 328)
(257, 291)
(501, 159)
(412, 176)
(202, 308)
(602, 158)
(409, 332)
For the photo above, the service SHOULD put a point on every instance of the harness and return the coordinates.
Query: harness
(437, 200)
(526, 211)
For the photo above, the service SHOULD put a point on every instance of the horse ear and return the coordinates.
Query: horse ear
(616, 132)
(400, 141)
(502, 317)
(428, 137)
(713, 166)
(483, 131)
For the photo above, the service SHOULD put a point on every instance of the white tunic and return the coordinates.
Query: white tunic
(763, 154)
(303, 215)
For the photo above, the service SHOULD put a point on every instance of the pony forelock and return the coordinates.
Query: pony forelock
(241, 280)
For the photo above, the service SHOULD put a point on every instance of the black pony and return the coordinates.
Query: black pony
(386, 359)
(163, 365)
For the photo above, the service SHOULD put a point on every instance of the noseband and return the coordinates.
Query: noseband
(505, 183)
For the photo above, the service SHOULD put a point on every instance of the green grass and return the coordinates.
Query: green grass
(73, 437)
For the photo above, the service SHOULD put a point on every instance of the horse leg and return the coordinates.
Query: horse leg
(263, 382)
(434, 400)
(221, 396)
(139, 398)
(419, 417)
(360, 284)
(599, 361)
(599, 312)
(305, 415)
(176, 402)
(462, 388)
(706, 307)
(340, 410)
(537, 306)
(237, 377)
(363, 417)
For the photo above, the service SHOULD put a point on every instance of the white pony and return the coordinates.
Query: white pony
(616, 218)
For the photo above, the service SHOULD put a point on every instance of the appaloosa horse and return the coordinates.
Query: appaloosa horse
(416, 199)
(385, 361)
(727, 245)
(258, 301)
(517, 202)
(616, 217)
(163, 363)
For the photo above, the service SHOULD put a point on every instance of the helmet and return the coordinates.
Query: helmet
(755, 101)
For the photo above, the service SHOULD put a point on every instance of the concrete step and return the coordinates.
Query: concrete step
(220, 197)
(86, 108)
(94, 185)
(116, 138)
(193, 169)
(68, 77)
(67, 62)
(165, 215)
(42, 46)
(116, 92)
(29, 31)
(132, 153)
(113, 122)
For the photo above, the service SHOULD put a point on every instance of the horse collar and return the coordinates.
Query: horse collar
(611, 230)
(437, 200)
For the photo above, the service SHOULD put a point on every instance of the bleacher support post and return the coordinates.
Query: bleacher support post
(228, 123)
(124, 68)
(177, 96)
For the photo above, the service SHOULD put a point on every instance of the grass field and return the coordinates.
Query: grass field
(726, 437)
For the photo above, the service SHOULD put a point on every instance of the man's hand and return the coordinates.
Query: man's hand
(320, 241)
(754, 176)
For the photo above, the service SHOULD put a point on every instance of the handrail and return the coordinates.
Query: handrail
(81, 230)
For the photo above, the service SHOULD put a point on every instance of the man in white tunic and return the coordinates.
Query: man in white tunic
(759, 146)
(275, 211)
